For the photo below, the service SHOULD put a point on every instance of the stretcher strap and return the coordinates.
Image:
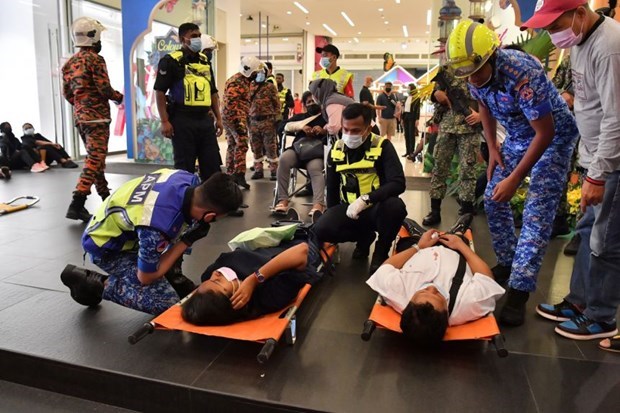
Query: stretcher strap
(457, 281)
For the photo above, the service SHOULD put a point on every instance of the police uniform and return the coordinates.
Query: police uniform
(286, 100)
(520, 92)
(130, 232)
(188, 79)
(373, 169)
(264, 113)
(455, 135)
(235, 110)
(342, 77)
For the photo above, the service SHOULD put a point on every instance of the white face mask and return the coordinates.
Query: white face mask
(565, 39)
(29, 131)
(443, 292)
(352, 141)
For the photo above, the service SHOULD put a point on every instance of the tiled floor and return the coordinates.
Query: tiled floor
(329, 368)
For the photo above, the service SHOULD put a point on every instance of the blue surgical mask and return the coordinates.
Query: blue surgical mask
(443, 292)
(260, 77)
(352, 141)
(325, 62)
(195, 44)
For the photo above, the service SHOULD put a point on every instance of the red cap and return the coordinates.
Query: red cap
(548, 11)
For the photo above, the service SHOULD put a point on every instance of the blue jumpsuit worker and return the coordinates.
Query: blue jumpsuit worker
(141, 230)
(512, 88)
(188, 78)
(364, 179)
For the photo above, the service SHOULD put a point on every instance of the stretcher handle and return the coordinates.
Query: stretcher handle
(145, 330)
(33, 200)
(498, 342)
(369, 328)
(266, 351)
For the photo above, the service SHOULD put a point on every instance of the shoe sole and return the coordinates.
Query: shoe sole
(550, 316)
(69, 280)
(76, 217)
(581, 337)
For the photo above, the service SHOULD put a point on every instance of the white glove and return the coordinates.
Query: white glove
(354, 210)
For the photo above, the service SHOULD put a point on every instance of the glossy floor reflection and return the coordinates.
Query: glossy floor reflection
(48, 341)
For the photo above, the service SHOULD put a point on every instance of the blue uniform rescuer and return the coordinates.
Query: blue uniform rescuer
(139, 233)
(513, 89)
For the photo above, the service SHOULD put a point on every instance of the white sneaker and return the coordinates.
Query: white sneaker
(37, 168)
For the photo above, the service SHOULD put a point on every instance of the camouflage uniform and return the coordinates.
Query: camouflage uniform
(455, 135)
(519, 93)
(87, 87)
(264, 110)
(235, 109)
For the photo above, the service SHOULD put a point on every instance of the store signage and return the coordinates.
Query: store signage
(168, 43)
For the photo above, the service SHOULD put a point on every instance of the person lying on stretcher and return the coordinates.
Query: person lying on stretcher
(245, 284)
(417, 283)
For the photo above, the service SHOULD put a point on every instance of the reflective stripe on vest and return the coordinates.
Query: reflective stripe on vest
(141, 202)
(341, 77)
(358, 178)
(196, 81)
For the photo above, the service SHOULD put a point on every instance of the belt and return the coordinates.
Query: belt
(262, 117)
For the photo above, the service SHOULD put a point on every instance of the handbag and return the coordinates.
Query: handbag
(308, 149)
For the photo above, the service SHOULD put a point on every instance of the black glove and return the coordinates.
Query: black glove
(197, 231)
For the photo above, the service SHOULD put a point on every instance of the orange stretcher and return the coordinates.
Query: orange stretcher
(385, 317)
(12, 205)
(267, 329)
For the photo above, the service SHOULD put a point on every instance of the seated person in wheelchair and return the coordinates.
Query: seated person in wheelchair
(423, 283)
(364, 181)
(245, 284)
(306, 127)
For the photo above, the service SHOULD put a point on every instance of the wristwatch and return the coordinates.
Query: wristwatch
(366, 199)
(416, 246)
(260, 277)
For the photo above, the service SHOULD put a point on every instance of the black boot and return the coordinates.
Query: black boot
(501, 273)
(273, 176)
(560, 226)
(239, 179)
(513, 313)
(433, 217)
(378, 258)
(573, 246)
(86, 286)
(461, 225)
(104, 195)
(181, 284)
(257, 175)
(362, 248)
(413, 228)
(76, 209)
(466, 208)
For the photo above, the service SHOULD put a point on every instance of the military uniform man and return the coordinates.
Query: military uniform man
(264, 113)
(513, 89)
(236, 108)
(190, 113)
(458, 132)
(331, 70)
(87, 88)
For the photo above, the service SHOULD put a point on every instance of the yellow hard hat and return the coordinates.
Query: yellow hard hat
(469, 47)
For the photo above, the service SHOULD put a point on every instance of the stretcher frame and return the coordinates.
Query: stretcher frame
(381, 311)
(8, 207)
(285, 318)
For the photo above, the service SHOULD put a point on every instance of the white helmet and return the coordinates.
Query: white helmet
(249, 65)
(208, 42)
(86, 31)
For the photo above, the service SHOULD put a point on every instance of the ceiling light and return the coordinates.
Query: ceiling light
(397, 1)
(329, 29)
(348, 19)
(427, 32)
(264, 25)
(301, 7)
(382, 40)
(405, 31)
(403, 45)
(289, 12)
(285, 39)
(240, 14)
(356, 40)
(359, 32)
(417, 40)
(386, 22)
(429, 16)
(381, 9)
(248, 40)
(307, 23)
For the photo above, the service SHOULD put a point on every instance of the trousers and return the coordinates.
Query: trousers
(288, 160)
(263, 142)
(237, 139)
(95, 137)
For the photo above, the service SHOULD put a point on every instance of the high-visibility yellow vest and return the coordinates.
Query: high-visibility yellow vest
(340, 76)
(154, 200)
(358, 178)
(272, 79)
(196, 81)
(282, 97)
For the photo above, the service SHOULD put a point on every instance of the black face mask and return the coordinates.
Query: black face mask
(313, 109)
(388, 89)
(97, 47)
(209, 54)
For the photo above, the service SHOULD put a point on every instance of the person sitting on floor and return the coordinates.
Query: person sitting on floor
(305, 125)
(245, 284)
(54, 151)
(422, 284)
(18, 156)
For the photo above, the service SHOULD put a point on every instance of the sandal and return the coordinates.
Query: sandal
(313, 210)
(611, 344)
(280, 209)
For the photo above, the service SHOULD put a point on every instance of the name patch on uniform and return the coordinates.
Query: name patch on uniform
(162, 245)
(527, 93)
(143, 189)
